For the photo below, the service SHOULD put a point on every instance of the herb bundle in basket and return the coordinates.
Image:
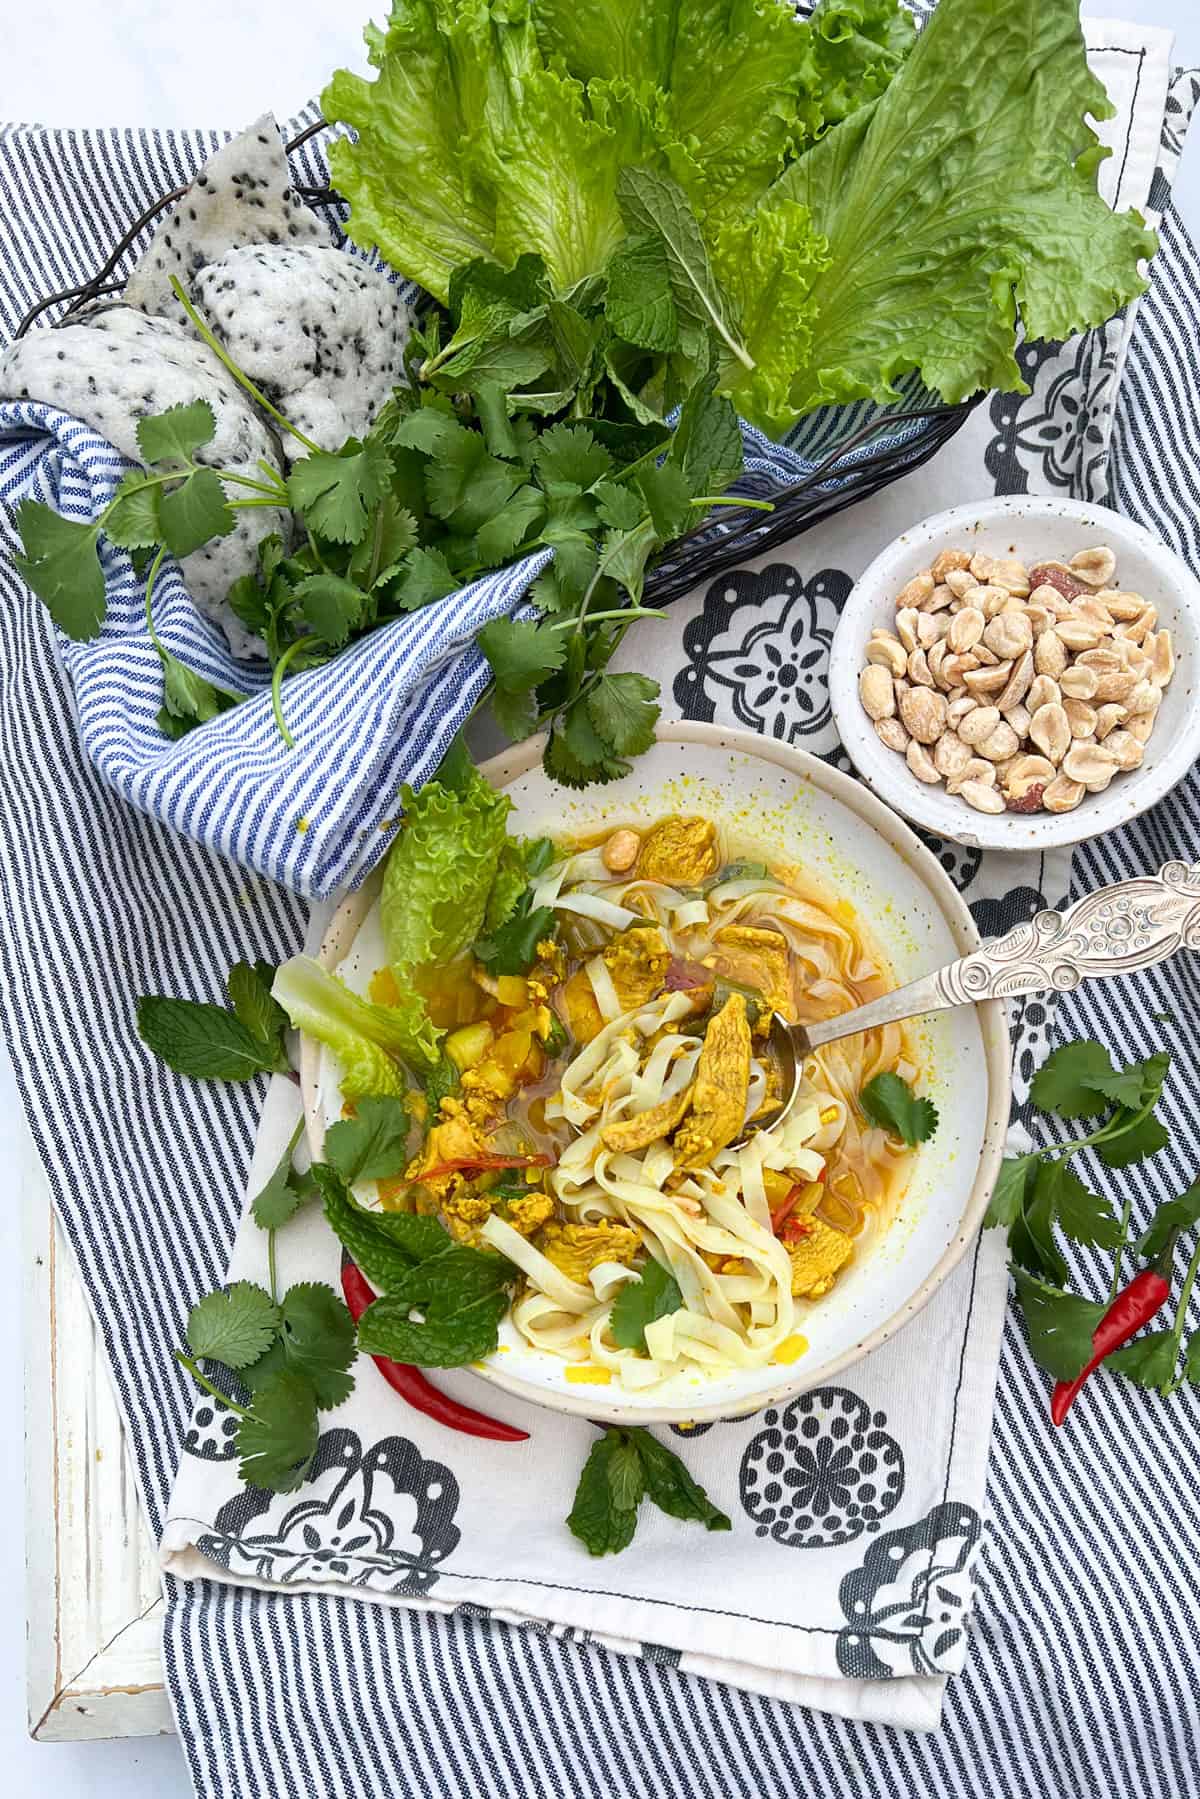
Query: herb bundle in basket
(644, 227)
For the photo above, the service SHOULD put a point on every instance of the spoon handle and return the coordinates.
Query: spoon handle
(1112, 931)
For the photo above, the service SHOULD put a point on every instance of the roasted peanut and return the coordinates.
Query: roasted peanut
(978, 724)
(923, 713)
(949, 562)
(966, 628)
(976, 770)
(1062, 795)
(906, 627)
(1009, 635)
(1126, 748)
(960, 581)
(1019, 683)
(888, 652)
(1027, 772)
(918, 670)
(621, 851)
(1107, 719)
(1051, 732)
(1020, 718)
(921, 764)
(1162, 659)
(951, 755)
(1094, 567)
(1000, 744)
(1008, 572)
(981, 797)
(1078, 634)
(981, 566)
(915, 592)
(1090, 763)
(988, 680)
(1043, 691)
(877, 692)
(892, 732)
(1079, 683)
(1081, 717)
(1050, 654)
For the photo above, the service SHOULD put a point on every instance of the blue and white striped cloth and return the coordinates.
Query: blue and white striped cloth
(316, 817)
(1081, 1680)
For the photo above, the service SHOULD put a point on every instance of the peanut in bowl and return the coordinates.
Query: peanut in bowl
(1020, 673)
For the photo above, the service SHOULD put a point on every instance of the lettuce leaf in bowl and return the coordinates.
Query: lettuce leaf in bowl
(370, 1041)
(440, 872)
(962, 203)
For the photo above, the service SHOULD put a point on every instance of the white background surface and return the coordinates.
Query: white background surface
(72, 62)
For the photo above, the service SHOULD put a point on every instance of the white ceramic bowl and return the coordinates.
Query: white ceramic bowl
(797, 809)
(1034, 529)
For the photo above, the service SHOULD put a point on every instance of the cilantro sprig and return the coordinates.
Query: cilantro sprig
(531, 421)
(889, 1102)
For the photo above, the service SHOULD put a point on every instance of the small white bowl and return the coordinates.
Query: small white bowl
(800, 810)
(1034, 529)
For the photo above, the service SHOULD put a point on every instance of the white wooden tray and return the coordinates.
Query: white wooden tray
(94, 1598)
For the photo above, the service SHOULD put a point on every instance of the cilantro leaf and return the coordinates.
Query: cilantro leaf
(194, 512)
(278, 1437)
(512, 947)
(332, 606)
(604, 1525)
(234, 1325)
(467, 486)
(889, 1102)
(1059, 1325)
(337, 492)
(1066, 1081)
(373, 1145)
(618, 506)
(624, 710)
(172, 437)
(131, 520)
(319, 1340)
(1084, 1216)
(377, 557)
(576, 756)
(668, 498)
(1135, 1141)
(1013, 1185)
(60, 563)
(671, 1488)
(204, 1041)
(499, 536)
(188, 699)
(285, 1192)
(1031, 1241)
(1176, 1215)
(1148, 1360)
(569, 460)
(521, 654)
(639, 1302)
(515, 713)
(425, 575)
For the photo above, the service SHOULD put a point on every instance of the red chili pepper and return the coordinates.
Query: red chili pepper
(1145, 1295)
(486, 1161)
(411, 1384)
(789, 1204)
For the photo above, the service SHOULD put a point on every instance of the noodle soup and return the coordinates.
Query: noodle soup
(661, 1221)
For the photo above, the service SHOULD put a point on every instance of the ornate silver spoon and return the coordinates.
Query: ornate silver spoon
(1112, 931)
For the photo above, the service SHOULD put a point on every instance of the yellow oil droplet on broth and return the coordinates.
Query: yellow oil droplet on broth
(791, 1349)
(584, 1374)
(383, 989)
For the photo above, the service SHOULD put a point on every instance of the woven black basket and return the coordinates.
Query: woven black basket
(849, 471)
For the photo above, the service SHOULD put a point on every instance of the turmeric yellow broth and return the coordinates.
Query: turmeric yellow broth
(617, 1079)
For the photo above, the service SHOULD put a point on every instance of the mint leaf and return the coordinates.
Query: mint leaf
(652, 204)
(337, 493)
(671, 1488)
(626, 1481)
(639, 303)
(60, 563)
(385, 1245)
(623, 710)
(204, 1041)
(318, 1340)
(707, 442)
(443, 1312)
(278, 1437)
(602, 1524)
(1059, 1325)
(235, 1325)
(171, 438)
(249, 986)
(639, 1302)
(373, 1145)
(194, 512)
(889, 1102)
